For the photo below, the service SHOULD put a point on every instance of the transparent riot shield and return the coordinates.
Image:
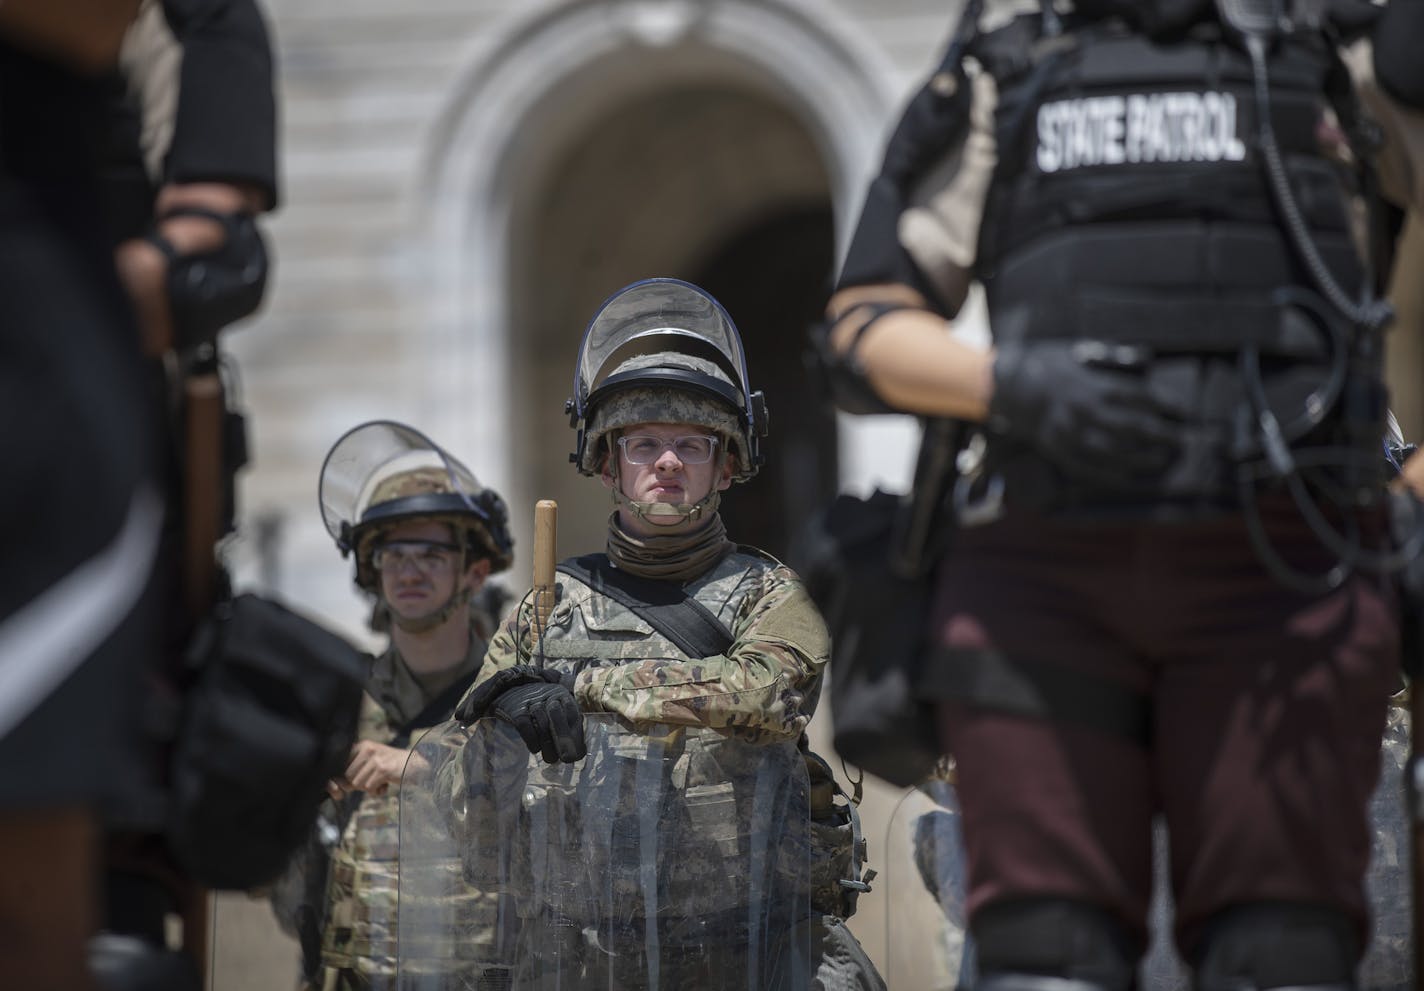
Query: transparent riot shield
(669, 857)
(456, 920)
(1389, 961)
(372, 453)
(925, 884)
(1162, 969)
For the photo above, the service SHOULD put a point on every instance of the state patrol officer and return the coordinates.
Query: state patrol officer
(1171, 600)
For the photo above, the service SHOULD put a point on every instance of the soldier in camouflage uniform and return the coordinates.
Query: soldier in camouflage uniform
(426, 536)
(667, 424)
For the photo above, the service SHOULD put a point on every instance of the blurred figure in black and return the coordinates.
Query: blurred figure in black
(190, 163)
(1168, 593)
(90, 419)
(81, 505)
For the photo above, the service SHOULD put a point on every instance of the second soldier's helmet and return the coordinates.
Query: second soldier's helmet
(664, 351)
(382, 473)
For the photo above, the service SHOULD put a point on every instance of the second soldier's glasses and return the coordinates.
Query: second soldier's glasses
(429, 557)
(691, 449)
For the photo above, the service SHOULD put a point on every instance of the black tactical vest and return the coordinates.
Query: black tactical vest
(1130, 206)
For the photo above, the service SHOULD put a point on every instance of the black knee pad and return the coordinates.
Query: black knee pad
(1277, 945)
(1021, 942)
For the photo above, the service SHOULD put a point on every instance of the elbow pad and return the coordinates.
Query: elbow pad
(843, 375)
(208, 291)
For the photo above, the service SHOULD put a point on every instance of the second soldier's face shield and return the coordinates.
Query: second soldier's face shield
(387, 464)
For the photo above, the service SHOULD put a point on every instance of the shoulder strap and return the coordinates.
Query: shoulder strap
(665, 606)
(1364, 137)
(1017, 60)
(438, 710)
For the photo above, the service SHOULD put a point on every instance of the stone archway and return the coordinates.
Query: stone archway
(712, 184)
(506, 134)
(503, 176)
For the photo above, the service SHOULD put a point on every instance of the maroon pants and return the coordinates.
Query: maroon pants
(1266, 709)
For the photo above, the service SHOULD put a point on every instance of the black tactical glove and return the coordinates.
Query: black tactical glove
(209, 290)
(1084, 405)
(539, 703)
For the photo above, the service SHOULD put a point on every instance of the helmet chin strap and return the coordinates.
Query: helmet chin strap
(668, 514)
(423, 624)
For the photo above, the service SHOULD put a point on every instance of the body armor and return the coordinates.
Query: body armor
(360, 932)
(590, 630)
(1131, 211)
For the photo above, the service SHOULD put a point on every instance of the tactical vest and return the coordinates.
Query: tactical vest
(590, 630)
(364, 884)
(1130, 206)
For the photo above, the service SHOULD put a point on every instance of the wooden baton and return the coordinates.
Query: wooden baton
(546, 528)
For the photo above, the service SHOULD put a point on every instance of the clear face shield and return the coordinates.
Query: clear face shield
(659, 315)
(387, 470)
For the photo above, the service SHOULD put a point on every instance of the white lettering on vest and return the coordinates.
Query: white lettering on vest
(1141, 127)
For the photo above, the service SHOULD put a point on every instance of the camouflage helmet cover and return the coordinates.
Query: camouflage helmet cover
(423, 493)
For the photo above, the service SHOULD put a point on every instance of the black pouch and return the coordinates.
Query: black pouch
(877, 622)
(838, 872)
(870, 567)
(268, 719)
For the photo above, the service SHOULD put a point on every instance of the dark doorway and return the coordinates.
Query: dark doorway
(773, 277)
(695, 182)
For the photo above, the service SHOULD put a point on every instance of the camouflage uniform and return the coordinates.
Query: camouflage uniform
(762, 691)
(357, 921)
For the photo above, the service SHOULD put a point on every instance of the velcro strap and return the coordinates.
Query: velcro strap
(164, 245)
(437, 710)
(186, 210)
(876, 309)
(989, 679)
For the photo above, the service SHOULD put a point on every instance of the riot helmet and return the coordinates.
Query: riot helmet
(383, 473)
(664, 351)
